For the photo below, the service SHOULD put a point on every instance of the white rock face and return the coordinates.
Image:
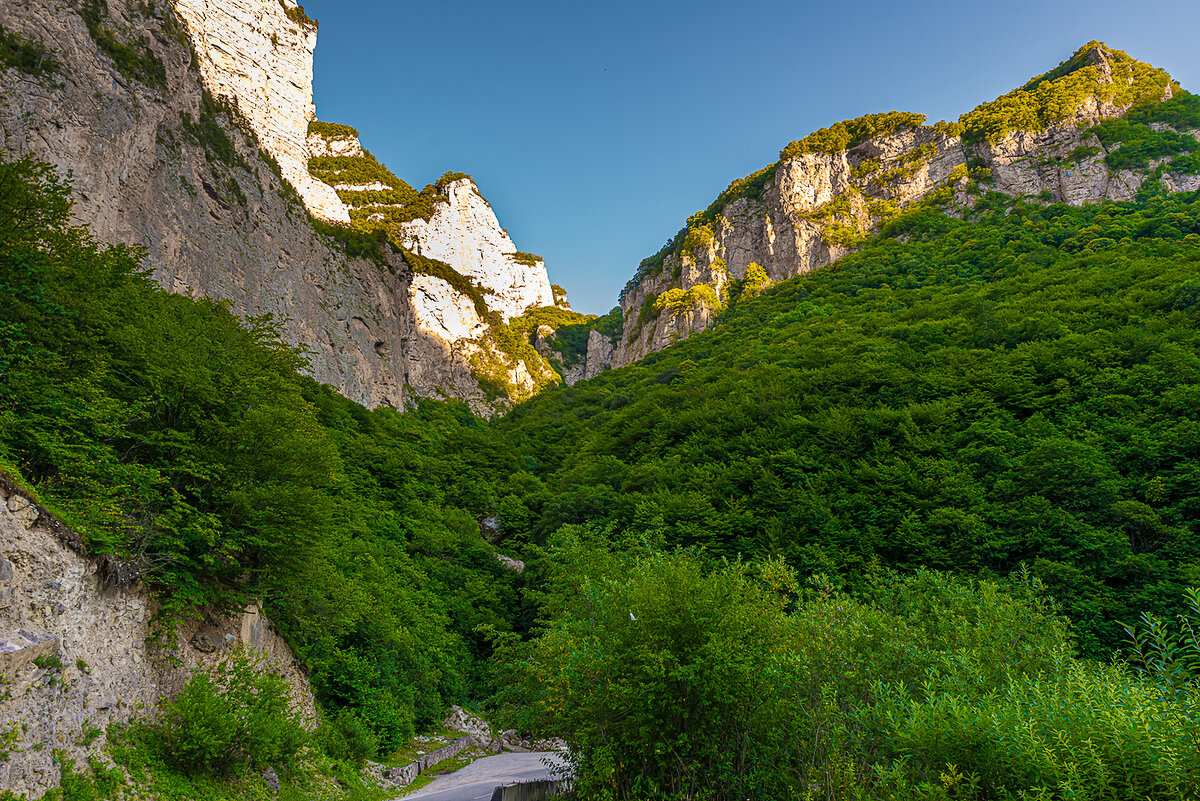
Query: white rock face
(465, 234)
(440, 310)
(56, 607)
(347, 146)
(252, 53)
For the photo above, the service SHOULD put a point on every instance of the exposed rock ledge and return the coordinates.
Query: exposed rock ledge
(55, 608)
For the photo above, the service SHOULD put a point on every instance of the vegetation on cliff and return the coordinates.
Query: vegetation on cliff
(960, 394)
(675, 675)
(185, 442)
(27, 55)
(1095, 71)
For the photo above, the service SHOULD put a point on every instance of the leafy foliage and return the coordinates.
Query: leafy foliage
(967, 394)
(234, 717)
(527, 259)
(1163, 651)
(849, 133)
(1058, 94)
(677, 300)
(183, 440)
(296, 14)
(134, 62)
(331, 129)
(208, 132)
(1135, 145)
(675, 676)
(1181, 112)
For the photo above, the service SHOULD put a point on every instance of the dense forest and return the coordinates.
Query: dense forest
(919, 525)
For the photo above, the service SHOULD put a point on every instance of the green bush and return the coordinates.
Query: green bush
(1169, 653)
(344, 736)
(1056, 95)
(207, 132)
(1080, 731)
(1181, 112)
(296, 14)
(236, 716)
(134, 62)
(671, 675)
(849, 133)
(331, 129)
(1135, 145)
(526, 259)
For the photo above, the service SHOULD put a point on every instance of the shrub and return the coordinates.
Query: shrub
(331, 129)
(238, 715)
(346, 737)
(848, 133)
(1133, 145)
(526, 259)
(755, 281)
(296, 14)
(1182, 111)
(27, 55)
(450, 177)
(1084, 731)
(1056, 95)
(135, 62)
(1166, 652)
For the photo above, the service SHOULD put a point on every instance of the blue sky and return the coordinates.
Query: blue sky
(595, 129)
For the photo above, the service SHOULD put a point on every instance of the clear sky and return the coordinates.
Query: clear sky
(596, 128)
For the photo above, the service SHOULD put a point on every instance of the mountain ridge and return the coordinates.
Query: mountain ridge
(831, 187)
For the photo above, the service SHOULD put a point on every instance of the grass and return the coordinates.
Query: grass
(27, 55)
(421, 745)
(135, 62)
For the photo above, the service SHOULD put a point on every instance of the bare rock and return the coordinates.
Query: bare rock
(271, 779)
(461, 720)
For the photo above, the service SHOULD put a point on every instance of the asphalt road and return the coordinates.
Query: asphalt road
(477, 781)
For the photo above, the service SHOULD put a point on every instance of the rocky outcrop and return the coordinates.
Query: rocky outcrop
(210, 193)
(596, 357)
(465, 234)
(259, 54)
(814, 206)
(150, 170)
(76, 652)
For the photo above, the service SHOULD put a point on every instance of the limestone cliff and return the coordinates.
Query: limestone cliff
(259, 54)
(842, 183)
(186, 127)
(75, 654)
(464, 233)
(157, 162)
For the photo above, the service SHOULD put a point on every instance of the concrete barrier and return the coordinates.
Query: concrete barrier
(530, 791)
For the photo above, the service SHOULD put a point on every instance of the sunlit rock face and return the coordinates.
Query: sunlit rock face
(464, 233)
(259, 54)
(800, 221)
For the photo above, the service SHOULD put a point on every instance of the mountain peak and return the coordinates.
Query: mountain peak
(1095, 77)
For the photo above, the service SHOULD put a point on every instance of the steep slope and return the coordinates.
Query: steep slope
(78, 653)
(187, 131)
(469, 279)
(1013, 388)
(829, 189)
